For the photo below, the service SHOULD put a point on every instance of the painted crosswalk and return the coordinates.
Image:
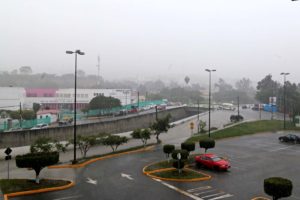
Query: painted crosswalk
(209, 193)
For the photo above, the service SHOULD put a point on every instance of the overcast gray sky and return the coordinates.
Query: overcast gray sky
(153, 38)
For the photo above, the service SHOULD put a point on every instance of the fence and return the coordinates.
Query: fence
(24, 124)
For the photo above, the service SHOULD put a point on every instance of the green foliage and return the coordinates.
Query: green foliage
(143, 134)
(102, 102)
(37, 161)
(278, 187)
(114, 141)
(177, 94)
(36, 107)
(207, 143)
(26, 114)
(184, 154)
(161, 125)
(46, 145)
(247, 128)
(85, 142)
(168, 148)
(202, 125)
(189, 146)
(136, 133)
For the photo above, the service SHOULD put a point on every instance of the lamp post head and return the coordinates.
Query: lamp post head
(69, 52)
(79, 52)
(210, 70)
(207, 70)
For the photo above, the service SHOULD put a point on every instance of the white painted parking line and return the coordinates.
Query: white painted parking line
(178, 190)
(222, 197)
(199, 188)
(212, 195)
(208, 191)
(283, 148)
(70, 197)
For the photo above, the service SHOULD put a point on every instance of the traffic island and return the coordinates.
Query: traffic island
(20, 187)
(164, 171)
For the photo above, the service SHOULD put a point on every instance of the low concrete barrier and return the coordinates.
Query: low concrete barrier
(115, 125)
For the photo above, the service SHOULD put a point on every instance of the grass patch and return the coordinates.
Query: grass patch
(185, 174)
(247, 128)
(159, 165)
(18, 185)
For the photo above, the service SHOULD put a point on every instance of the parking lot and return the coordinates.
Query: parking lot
(253, 158)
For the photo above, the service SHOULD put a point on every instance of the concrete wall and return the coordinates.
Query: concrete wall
(23, 138)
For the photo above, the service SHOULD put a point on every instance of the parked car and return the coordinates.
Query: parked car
(236, 118)
(290, 138)
(212, 161)
(40, 126)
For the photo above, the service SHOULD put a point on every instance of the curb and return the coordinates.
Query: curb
(150, 174)
(100, 158)
(30, 192)
(262, 198)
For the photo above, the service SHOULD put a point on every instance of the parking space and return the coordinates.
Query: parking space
(253, 158)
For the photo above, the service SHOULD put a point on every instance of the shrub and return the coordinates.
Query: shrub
(184, 154)
(85, 142)
(189, 146)
(168, 149)
(207, 143)
(37, 161)
(46, 145)
(278, 187)
(136, 134)
(114, 141)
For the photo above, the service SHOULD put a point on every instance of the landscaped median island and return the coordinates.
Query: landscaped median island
(164, 170)
(18, 187)
(246, 128)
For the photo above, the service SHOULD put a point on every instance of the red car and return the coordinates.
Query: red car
(212, 161)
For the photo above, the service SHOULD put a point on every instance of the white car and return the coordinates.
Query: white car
(40, 126)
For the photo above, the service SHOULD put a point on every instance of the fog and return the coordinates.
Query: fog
(149, 39)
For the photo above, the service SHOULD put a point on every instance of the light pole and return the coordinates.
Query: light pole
(75, 100)
(284, 87)
(210, 71)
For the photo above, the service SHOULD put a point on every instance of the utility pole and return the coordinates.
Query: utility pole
(20, 115)
(238, 105)
(138, 103)
(198, 120)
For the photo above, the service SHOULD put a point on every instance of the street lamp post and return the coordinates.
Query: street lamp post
(284, 88)
(75, 99)
(210, 71)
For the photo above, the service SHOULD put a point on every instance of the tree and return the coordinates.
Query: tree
(278, 187)
(179, 163)
(143, 134)
(202, 125)
(102, 102)
(47, 145)
(37, 161)
(189, 146)
(207, 143)
(168, 149)
(266, 88)
(187, 80)
(114, 141)
(36, 107)
(161, 125)
(26, 114)
(25, 70)
(85, 142)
